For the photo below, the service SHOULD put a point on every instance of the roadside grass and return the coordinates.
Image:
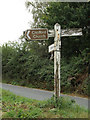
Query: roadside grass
(14, 106)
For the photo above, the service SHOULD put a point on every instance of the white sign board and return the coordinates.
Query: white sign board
(51, 48)
(71, 32)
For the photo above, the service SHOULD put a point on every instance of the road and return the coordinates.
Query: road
(40, 94)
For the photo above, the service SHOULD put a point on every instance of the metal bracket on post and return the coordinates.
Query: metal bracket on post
(57, 47)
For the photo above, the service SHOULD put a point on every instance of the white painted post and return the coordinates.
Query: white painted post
(57, 55)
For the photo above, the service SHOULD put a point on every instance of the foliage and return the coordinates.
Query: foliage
(19, 107)
(24, 66)
(38, 9)
(74, 73)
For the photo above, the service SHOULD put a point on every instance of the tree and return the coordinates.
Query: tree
(38, 9)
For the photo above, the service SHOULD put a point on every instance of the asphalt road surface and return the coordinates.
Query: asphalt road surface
(40, 94)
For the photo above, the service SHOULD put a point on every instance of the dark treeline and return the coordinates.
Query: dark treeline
(29, 63)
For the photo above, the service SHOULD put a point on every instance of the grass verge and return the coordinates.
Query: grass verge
(20, 107)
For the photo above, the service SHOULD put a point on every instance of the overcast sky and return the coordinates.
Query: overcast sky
(14, 19)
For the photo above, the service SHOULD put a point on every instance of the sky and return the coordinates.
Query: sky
(14, 19)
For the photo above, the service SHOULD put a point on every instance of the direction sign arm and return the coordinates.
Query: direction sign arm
(67, 32)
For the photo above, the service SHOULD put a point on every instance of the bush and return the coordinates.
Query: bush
(22, 66)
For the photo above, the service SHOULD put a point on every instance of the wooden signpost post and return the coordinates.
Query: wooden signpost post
(57, 47)
(57, 33)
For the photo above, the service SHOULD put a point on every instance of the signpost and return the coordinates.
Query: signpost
(57, 33)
